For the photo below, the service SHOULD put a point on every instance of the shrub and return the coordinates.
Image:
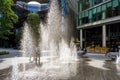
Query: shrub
(4, 53)
(97, 47)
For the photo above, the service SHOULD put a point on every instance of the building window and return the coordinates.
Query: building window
(103, 7)
(84, 20)
(115, 8)
(99, 9)
(109, 12)
(106, 10)
(96, 1)
(85, 4)
(115, 11)
(94, 11)
(115, 3)
(90, 15)
(97, 16)
(109, 4)
(112, 9)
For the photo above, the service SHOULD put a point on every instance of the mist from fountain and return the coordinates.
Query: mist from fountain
(58, 53)
(15, 70)
(27, 42)
(118, 58)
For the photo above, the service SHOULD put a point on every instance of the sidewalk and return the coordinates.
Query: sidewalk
(100, 56)
(12, 53)
(8, 60)
(15, 55)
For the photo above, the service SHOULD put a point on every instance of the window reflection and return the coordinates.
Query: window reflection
(90, 13)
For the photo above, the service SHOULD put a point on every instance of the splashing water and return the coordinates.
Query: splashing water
(60, 55)
(118, 58)
(67, 53)
(27, 42)
(15, 71)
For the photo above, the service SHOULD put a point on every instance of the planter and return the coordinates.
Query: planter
(92, 50)
(104, 50)
(88, 49)
(4, 53)
(97, 50)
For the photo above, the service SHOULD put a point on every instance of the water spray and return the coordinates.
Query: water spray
(119, 51)
(62, 2)
(118, 56)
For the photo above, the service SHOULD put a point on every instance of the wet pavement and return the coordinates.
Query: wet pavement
(86, 70)
(12, 53)
(89, 67)
(4, 73)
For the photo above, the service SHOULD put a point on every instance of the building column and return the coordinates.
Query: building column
(81, 38)
(104, 35)
(104, 29)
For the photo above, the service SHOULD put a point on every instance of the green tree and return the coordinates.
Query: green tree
(33, 21)
(8, 18)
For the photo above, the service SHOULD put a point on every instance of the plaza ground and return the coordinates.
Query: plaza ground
(93, 66)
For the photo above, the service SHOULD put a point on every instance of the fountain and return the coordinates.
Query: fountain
(118, 57)
(58, 55)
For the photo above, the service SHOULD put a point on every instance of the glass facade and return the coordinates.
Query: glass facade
(94, 10)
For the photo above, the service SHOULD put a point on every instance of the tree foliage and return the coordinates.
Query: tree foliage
(33, 21)
(8, 18)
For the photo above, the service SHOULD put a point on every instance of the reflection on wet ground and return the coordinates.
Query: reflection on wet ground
(5, 73)
(86, 70)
